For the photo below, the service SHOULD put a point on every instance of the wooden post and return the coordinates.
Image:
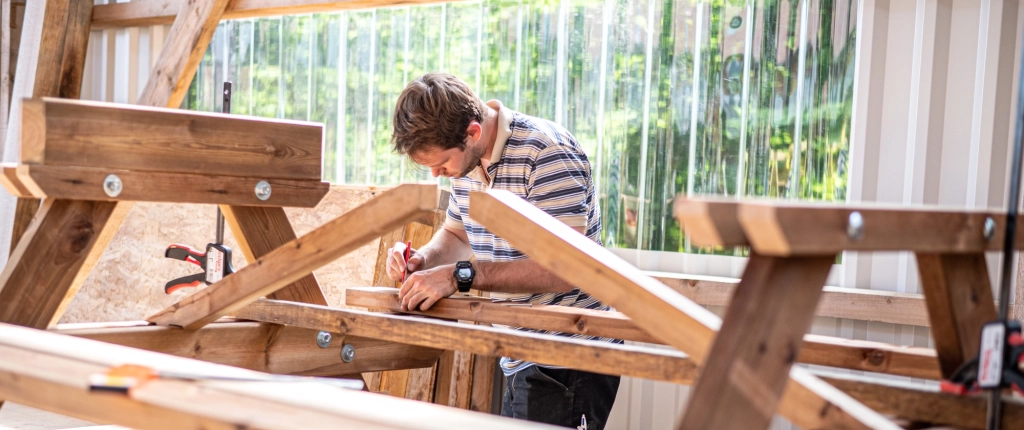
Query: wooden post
(748, 367)
(959, 298)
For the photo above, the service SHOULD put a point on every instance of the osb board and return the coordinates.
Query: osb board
(127, 283)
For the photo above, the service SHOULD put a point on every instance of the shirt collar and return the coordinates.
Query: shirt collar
(504, 129)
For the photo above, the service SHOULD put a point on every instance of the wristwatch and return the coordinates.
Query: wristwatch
(464, 274)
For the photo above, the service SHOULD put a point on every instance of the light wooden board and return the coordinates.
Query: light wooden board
(836, 302)
(194, 23)
(665, 314)
(51, 371)
(786, 228)
(115, 136)
(593, 356)
(298, 258)
(262, 230)
(161, 12)
(259, 347)
(820, 350)
(86, 183)
(928, 405)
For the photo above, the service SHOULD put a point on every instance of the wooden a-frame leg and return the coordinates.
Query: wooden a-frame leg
(61, 245)
(959, 298)
(260, 230)
(748, 366)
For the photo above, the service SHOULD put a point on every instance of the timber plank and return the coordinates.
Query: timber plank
(593, 356)
(260, 230)
(51, 371)
(261, 347)
(762, 333)
(959, 297)
(62, 26)
(127, 137)
(86, 183)
(710, 222)
(301, 256)
(820, 350)
(836, 302)
(667, 315)
(44, 273)
(928, 405)
(146, 13)
(194, 24)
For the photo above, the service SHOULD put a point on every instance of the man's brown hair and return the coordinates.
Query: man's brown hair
(434, 110)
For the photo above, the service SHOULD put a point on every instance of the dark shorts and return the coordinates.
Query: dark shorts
(560, 396)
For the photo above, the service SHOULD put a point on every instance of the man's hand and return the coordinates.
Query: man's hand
(397, 266)
(424, 288)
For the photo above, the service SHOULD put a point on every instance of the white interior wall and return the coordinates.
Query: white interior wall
(932, 124)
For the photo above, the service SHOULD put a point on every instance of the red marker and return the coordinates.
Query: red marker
(408, 253)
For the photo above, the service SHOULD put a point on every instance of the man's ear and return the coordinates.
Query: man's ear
(474, 130)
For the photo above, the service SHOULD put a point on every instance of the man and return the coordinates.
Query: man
(441, 124)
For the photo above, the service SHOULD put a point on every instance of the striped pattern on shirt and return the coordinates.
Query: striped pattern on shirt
(542, 163)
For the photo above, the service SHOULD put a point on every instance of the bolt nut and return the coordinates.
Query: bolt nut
(990, 228)
(263, 190)
(112, 185)
(348, 353)
(323, 339)
(855, 226)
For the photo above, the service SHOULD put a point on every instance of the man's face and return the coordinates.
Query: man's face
(454, 162)
(451, 163)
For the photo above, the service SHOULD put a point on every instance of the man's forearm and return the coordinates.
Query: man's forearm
(517, 277)
(444, 248)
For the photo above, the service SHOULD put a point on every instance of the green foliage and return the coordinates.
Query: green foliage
(666, 96)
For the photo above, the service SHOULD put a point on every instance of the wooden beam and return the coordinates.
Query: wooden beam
(51, 372)
(820, 350)
(592, 356)
(300, 257)
(665, 314)
(927, 405)
(45, 272)
(262, 230)
(86, 183)
(783, 228)
(118, 136)
(161, 12)
(66, 238)
(260, 347)
(195, 21)
(959, 297)
(836, 302)
(52, 63)
(748, 367)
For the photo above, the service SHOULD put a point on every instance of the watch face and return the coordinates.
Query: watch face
(465, 273)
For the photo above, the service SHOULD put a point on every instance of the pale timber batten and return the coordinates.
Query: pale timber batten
(820, 350)
(261, 347)
(161, 12)
(664, 313)
(51, 372)
(294, 260)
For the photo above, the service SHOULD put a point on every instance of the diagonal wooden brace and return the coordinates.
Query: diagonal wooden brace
(300, 257)
(665, 314)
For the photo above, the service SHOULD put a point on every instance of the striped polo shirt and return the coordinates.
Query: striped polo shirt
(542, 163)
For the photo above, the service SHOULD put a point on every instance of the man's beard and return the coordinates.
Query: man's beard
(473, 156)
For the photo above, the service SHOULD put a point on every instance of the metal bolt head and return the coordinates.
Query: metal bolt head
(323, 339)
(112, 185)
(262, 190)
(348, 353)
(855, 226)
(990, 228)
